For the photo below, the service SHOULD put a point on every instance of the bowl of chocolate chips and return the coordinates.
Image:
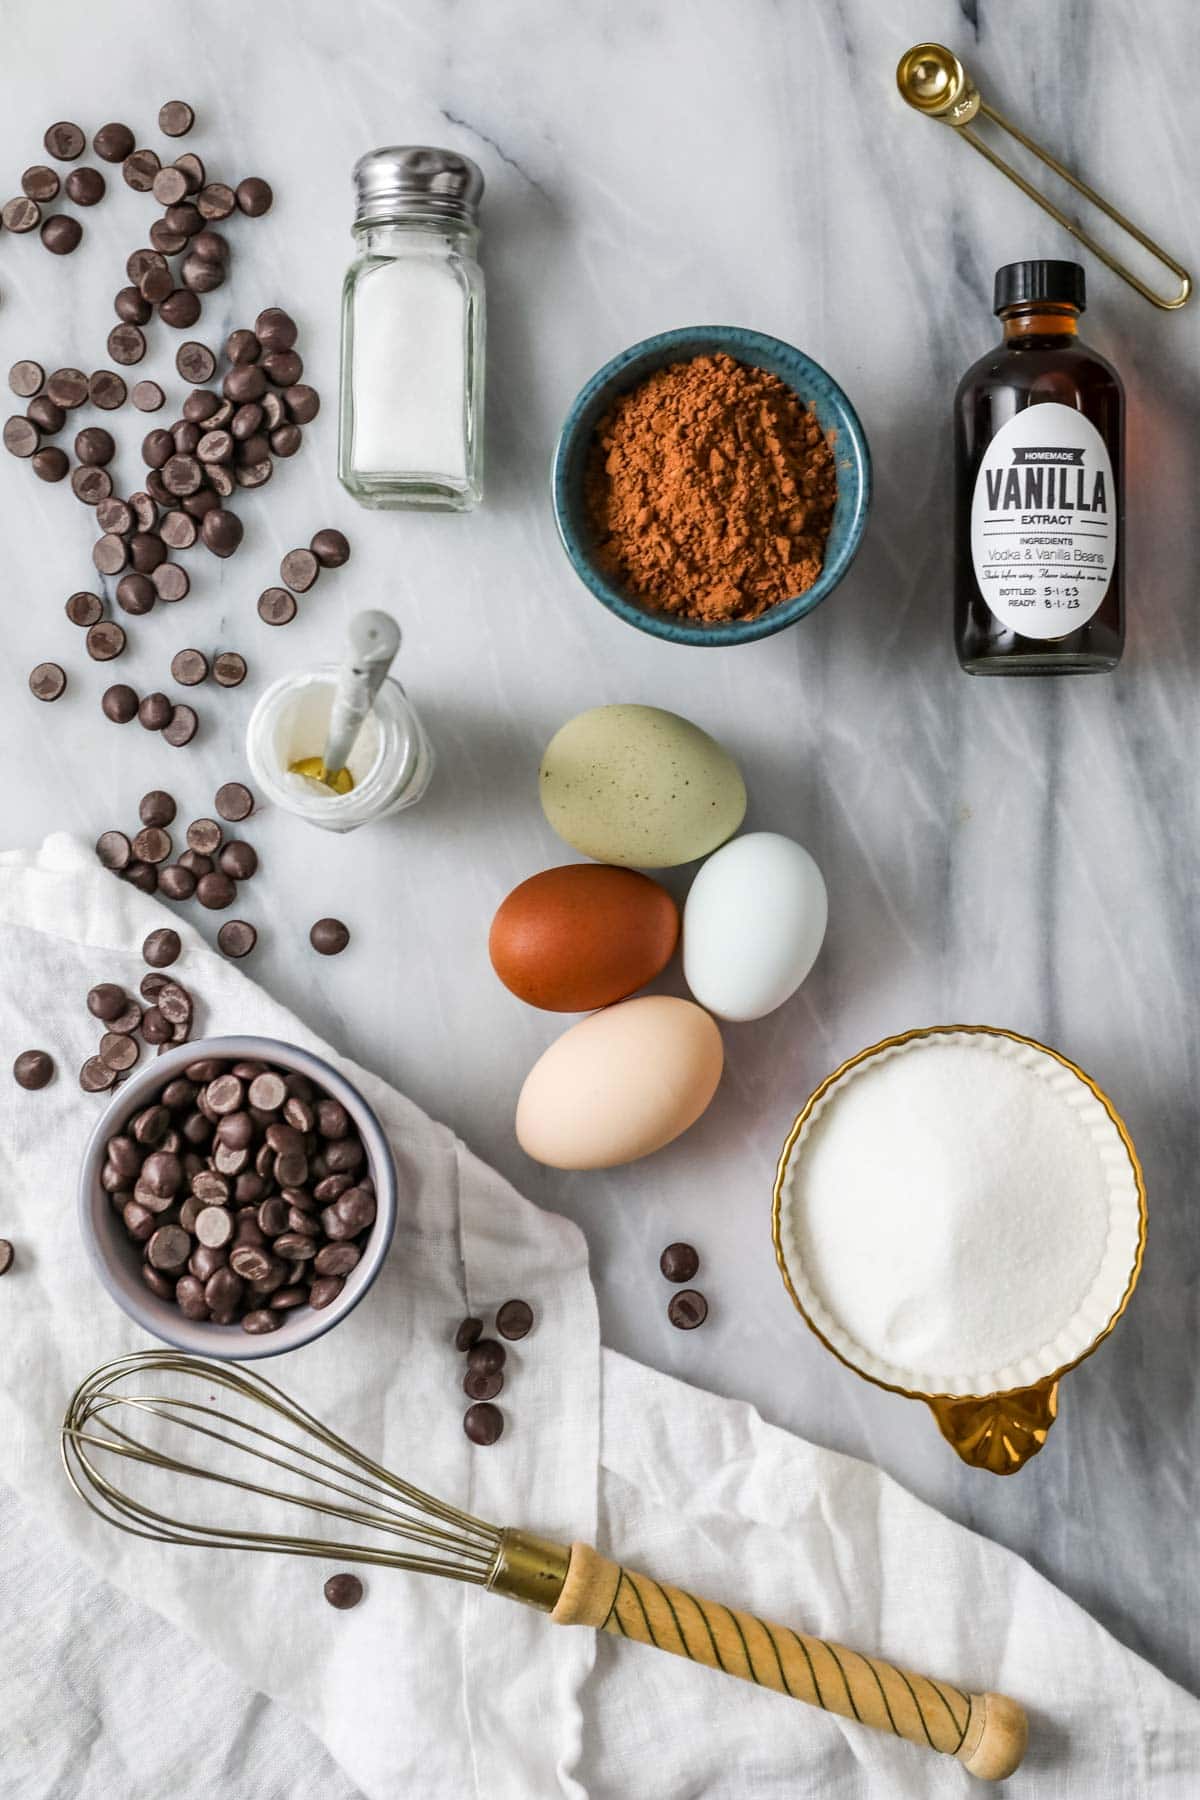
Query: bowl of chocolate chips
(238, 1197)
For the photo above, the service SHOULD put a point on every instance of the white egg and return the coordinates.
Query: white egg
(753, 925)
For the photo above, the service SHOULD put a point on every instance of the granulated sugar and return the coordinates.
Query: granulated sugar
(951, 1208)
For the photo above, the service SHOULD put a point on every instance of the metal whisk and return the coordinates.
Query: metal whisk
(243, 1436)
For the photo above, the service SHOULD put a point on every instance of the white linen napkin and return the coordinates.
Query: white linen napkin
(427, 1689)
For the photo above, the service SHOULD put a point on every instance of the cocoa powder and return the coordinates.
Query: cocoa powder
(710, 489)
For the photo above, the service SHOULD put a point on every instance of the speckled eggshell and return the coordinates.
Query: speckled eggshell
(640, 787)
(753, 925)
(620, 1084)
(578, 937)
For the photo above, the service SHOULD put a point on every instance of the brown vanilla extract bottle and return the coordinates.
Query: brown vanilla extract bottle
(1039, 523)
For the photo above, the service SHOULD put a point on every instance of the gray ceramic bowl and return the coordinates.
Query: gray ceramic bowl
(835, 415)
(118, 1263)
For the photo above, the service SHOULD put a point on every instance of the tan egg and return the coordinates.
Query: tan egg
(620, 1084)
(579, 937)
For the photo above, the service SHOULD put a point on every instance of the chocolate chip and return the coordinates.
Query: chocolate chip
(50, 463)
(215, 891)
(182, 475)
(468, 1333)
(162, 947)
(236, 938)
(6, 1256)
(242, 347)
(61, 234)
(229, 669)
(143, 876)
(196, 363)
(139, 169)
(234, 802)
(33, 1069)
(113, 143)
(113, 850)
(126, 344)
(204, 836)
(181, 727)
(91, 485)
(299, 569)
(687, 1309)
(155, 712)
(147, 396)
(171, 582)
(95, 445)
(192, 169)
(157, 807)
(482, 1384)
(180, 309)
(514, 1319)
(221, 531)
(487, 1357)
(176, 882)
(107, 390)
(48, 681)
(115, 516)
(64, 141)
(276, 606)
(483, 1423)
(85, 186)
(68, 388)
(153, 845)
(95, 1076)
(118, 1051)
(679, 1262)
(331, 548)
(21, 214)
(146, 551)
(238, 860)
(40, 183)
(343, 1591)
(216, 200)
(106, 1000)
(253, 197)
(189, 667)
(283, 367)
(105, 640)
(329, 937)
(119, 703)
(25, 378)
(21, 438)
(84, 609)
(175, 118)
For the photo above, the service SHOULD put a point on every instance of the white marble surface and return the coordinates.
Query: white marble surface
(1022, 854)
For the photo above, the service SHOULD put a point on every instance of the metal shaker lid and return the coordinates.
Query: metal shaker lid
(417, 181)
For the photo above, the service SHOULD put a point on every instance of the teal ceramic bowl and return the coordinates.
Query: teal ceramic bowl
(836, 416)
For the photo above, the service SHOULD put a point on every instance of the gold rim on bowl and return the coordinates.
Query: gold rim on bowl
(1001, 1431)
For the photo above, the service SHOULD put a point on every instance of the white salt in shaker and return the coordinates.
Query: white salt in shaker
(411, 428)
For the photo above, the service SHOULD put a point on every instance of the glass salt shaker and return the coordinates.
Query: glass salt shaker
(411, 423)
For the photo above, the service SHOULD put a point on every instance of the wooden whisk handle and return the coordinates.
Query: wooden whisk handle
(986, 1732)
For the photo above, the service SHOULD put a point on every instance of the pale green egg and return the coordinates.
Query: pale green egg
(639, 786)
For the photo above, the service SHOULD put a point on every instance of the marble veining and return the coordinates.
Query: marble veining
(1024, 854)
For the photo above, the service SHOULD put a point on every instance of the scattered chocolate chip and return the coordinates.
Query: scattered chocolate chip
(113, 850)
(25, 378)
(107, 390)
(152, 845)
(331, 548)
(86, 187)
(6, 1256)
(237, 938)
(118, 1051)
(162, 947)
(182, 726)
(175, 118)
(222, 531)
(95, 1076)
(61, 234)
(238, 860)
(234, 802)
(64, 141)
(126, 344)
(21, 438)
(687, 1309)
(157, 807)
(253, 197)
(329, 937)
(204, 836)
(343, 1591)
(21, 214)
(196, 363)
(147, 396)
(215, 891)
(119, 703)
(84, 609)
(275, 605)
(679, 1262)
(40, 183)
(139, 169)
(176, 882)
(113, 143)
(171, 582)
(189, 667)
(90, 484)
(483, 1423)
(95, 445)
(48, 681)
(468, 1333)
(33, 1069)
(299, 569)
(105, 640)
(229, 669)
(514, 1319)
(50, 463)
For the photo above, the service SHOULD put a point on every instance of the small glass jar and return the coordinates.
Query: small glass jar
(411, 421)
(391, 762)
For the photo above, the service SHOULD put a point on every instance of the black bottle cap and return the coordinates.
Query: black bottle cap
(1058, 283)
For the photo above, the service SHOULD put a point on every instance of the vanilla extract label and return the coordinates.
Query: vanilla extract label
(1044, 521)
